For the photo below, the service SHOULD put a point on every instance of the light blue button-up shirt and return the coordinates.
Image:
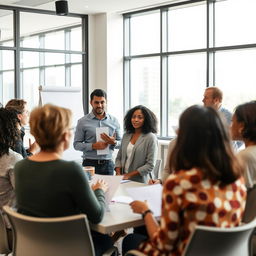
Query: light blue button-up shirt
(85, 135)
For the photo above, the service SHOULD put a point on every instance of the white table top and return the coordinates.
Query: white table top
(120, 215)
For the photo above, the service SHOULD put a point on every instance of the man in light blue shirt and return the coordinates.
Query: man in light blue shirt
(213, 98)
(98, 153)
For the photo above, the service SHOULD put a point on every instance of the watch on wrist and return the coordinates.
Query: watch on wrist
(145, 213)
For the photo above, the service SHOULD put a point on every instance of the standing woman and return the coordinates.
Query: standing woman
(206, 187)
(243, 128)
(47, 186)
(137, 155)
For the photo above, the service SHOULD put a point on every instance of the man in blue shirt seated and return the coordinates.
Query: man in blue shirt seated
(98, 152)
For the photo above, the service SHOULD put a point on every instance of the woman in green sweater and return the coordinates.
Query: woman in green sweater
(47, 186)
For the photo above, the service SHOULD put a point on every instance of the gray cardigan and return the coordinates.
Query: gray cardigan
(143, 156)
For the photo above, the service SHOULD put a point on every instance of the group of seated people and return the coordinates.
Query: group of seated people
(206, 184)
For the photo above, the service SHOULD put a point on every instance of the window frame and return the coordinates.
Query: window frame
(210, 51)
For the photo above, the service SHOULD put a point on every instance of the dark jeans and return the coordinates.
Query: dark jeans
(132, 242)
(101, 242)
(104, 167)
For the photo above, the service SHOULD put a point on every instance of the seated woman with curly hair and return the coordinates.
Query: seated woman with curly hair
(9, 133)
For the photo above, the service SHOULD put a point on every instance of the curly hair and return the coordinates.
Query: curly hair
(150, 120)
(246, 114)
(203, 142)
(9, 132)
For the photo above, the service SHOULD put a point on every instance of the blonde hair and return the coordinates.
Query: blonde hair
(48, 124)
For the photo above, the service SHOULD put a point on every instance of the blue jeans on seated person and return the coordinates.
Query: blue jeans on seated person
(132, 242)
(103, 167)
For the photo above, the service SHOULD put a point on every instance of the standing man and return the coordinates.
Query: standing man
(213, 98)
(98, 152)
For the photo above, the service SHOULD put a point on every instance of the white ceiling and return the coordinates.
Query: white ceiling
(90, 6)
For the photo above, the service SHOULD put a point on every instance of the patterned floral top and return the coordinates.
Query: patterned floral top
(188, 200)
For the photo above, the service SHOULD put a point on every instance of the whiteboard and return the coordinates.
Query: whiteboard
(67, 97)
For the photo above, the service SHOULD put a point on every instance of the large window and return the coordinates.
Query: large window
(45, 50)
(172, 53)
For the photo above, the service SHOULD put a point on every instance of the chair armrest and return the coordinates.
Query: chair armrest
(113, 251)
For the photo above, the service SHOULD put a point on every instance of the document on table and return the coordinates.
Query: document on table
(113, 184)
(99, 131)
(151, 193)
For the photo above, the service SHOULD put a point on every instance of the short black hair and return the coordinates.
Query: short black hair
(246, 114)
(98, 93)
(150, 120)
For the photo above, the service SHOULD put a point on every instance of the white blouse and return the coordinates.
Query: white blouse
(128, 158)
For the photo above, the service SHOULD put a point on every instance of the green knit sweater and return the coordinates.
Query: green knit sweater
(55, 189)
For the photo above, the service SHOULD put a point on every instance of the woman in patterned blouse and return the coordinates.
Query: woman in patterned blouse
(206, 188)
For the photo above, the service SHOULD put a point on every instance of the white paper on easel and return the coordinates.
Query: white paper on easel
(99, 131)
(113, 184)
(151, 193)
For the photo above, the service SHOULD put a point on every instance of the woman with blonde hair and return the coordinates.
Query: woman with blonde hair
(47, 186)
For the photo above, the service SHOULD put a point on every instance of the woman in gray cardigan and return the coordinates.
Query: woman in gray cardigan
(137, 155)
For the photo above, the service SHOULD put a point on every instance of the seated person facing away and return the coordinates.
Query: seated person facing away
(137, 155)
(243, 128)
(8, 158)
(47, 186)
(206, 187)
(9, 133)
(19, 106)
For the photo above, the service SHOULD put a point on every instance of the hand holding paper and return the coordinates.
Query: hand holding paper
(152, 194)
(113, 184)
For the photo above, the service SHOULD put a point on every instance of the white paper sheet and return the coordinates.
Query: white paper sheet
(122, 199)
(99, 131)
(151, 193)
(113, 184)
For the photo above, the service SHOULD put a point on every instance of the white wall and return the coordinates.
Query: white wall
(105, 59)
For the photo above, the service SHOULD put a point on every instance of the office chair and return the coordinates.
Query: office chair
(63, 236)
(4, 244)
(212, 241)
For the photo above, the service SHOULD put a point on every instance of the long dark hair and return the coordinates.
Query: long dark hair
(9, 132)
(150, 120)
(246, 114)
(203, 142)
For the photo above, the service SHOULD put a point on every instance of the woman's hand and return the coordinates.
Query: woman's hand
(128, 175)
(156, 181)
(139, 206)
(100, 184)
